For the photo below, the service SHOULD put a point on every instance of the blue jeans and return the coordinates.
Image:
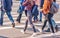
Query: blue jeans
(40, 16)
(49, 17)
(29, 19)
(35, 18)
(9, 16)
(53, 22)
(0, 17)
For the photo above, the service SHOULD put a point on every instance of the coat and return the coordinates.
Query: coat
(46, 6)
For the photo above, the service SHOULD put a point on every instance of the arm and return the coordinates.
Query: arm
(2, 5)
(25, 3)
(11, 2)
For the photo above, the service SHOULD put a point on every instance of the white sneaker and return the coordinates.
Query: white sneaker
(22, 31)
(53, 34)
(39, 30)
(33, 34)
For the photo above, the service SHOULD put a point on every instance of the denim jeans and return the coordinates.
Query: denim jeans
(35, 18)
(53, 22)
(49, 17)
(40, 16)
(9, 16)
(29, 19)
(0, 17)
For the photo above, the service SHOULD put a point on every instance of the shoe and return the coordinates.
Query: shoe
(18, 21)
(22, 31)
(13, 25)
(53, 34)
(1, 25)
(40, 30)
(33, 34)
(56, 28)
(33, 21)
(40, 20)
(48, 30)
(50, 35)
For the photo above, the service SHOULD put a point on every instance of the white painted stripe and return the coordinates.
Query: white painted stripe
(57, 21)
(2, 28)
(59, 6)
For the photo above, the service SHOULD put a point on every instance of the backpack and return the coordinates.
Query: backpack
(54, 8)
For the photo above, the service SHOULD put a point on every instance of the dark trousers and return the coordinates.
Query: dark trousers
(49, 16)
(29, 19)
(35, 18)
(40, 16)
(45, 22)
(20, 15)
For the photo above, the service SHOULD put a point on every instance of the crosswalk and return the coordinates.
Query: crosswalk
(7, 27)
(15, 14)
(22, 25)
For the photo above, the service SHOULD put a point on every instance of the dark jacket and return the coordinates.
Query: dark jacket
(41, 3)
(6, 4)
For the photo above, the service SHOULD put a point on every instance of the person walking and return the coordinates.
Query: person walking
(53, 22)
(28, 4)
(6, 7)
(35, 12)
(48, 15)
(20, 11)
(41, 6)
(0, 13)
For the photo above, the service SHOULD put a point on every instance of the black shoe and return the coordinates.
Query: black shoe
(1, 24)
(18, 21)
(56, 28)
(48, 30)
(13, 25)
(40, 20)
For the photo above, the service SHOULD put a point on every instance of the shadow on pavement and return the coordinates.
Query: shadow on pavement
(6, 26)
(3, 37)
(57, 36)
(58, 26)
(30, 29)
(19, 27)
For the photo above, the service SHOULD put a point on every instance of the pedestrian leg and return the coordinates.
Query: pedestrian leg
(10, 18)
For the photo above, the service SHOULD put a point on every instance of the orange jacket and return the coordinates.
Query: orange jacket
(46, 6)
